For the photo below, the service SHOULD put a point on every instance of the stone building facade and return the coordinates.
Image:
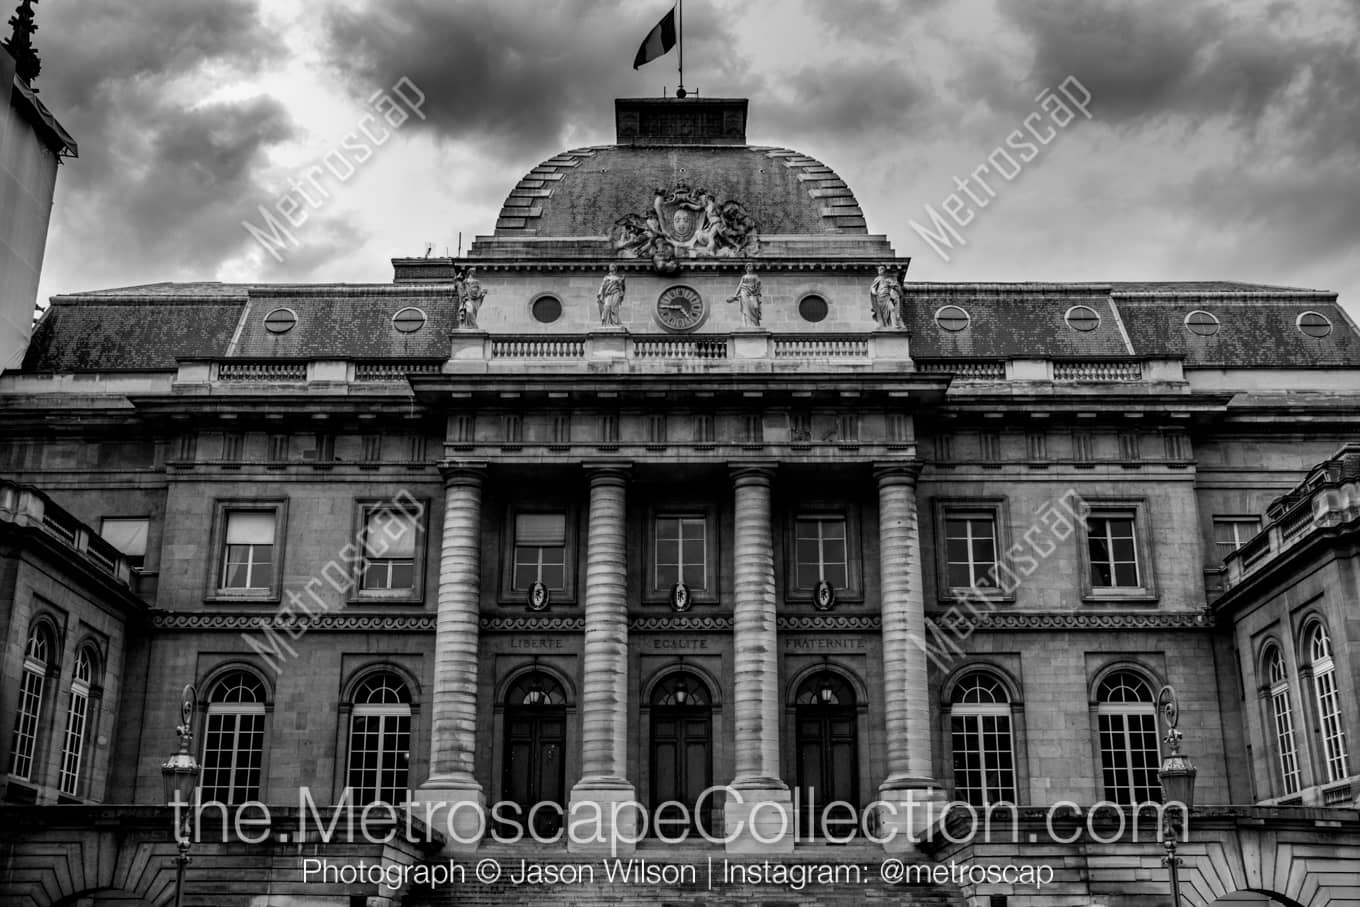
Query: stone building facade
(603, 515)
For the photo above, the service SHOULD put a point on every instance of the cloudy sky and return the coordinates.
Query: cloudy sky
(1224, 141)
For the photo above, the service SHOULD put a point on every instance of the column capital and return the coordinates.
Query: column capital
(748, 471)
(462, 472)
(905, 472)
(608, 471)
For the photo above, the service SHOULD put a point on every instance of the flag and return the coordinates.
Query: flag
(658, 41)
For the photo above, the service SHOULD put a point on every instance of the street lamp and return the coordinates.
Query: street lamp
(180, 773)
(1178, 785)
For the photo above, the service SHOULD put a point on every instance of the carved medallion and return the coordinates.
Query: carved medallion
(680, 309)
(680, 598)
(824, 596)
(539, 597)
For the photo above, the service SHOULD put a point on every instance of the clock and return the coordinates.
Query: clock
(680, 309)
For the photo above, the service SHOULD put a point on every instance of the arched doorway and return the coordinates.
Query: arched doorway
(827, 741)
(535, 751)
(682, 749)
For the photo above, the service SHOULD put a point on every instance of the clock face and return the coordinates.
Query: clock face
(680, 309)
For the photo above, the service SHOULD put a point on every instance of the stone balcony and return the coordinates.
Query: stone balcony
(1328, 500)
(26, 507)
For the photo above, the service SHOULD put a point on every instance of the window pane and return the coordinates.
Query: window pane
(127, 535)
(959, 575)
(390, 533)
(694, 552)
(835, 575)
(541, 529)
(808, 574)
(667, 575)
(667, 528)
(554, 577)
(403, 575)
(250, 528)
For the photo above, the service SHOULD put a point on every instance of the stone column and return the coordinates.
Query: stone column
(759, 814)
(911, 798)
(451, 799)
(602, 816)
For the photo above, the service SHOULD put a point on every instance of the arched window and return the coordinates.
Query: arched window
(1282, 711)
(233, 739)
(1328, 703)
(380, 739)
(1129, 755)
(38, 653)
(980, 731)
(77, 722)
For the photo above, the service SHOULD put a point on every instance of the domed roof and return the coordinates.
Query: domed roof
(584, 192)
(680, 182)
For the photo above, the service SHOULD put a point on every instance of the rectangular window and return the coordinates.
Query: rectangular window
(970, 550)
(540, 551)
(233, 754)
(1129, 756)
(128, 535)
(681, 552)
(1284, 736)
(379, 754)
(1232, 532)
(820, 552)
(390, 537)
(984, 765)
(26, 722)
(1113, 549)
(248, 550)
(73, 747)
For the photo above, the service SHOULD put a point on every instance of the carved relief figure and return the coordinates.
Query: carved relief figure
(610, 296)
(472, 294)
(686, 223)
(748, 297)
(885, 299)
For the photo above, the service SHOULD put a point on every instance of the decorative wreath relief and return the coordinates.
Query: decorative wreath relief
(680, 598)
(824, 596)
(539, 597)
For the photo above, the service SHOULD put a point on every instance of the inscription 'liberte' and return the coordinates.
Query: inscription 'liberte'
(535, 643)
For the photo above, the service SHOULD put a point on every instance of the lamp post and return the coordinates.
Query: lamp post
(1177, 776)
(180, 773)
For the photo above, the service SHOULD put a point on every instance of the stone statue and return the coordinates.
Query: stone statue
(885, 299)
(610, 297)
(748, 298)
(472, 294)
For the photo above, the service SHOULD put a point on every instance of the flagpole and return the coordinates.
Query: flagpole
(681, 5)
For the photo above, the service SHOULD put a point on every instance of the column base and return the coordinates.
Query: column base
(603, 817)
(904, 813)
(456, 810)
(761, 821)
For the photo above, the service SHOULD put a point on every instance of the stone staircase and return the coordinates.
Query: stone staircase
(684, 875)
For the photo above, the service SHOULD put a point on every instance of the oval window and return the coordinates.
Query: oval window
(1314, 324)
(1202, 323)
(546, 309)
(280, 321)
(813, 308)
(1082, 318)
(409, 320)
(952, 318)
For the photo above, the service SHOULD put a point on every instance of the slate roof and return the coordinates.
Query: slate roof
(583, 192)
(131, 334)
(1012, 321)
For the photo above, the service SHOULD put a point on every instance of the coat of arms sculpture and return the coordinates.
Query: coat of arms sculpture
(686, 223)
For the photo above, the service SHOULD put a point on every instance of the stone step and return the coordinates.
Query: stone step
(687, 875)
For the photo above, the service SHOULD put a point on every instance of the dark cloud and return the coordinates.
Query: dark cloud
(1156, 60)
(163, 179)
(520, 75)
